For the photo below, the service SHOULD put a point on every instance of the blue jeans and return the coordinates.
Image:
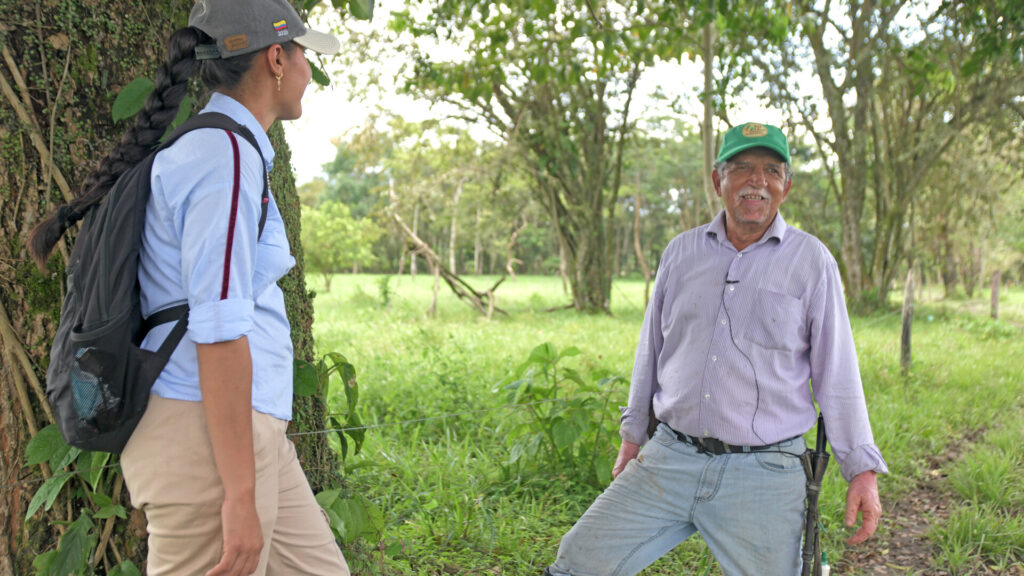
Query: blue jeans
(749, 508)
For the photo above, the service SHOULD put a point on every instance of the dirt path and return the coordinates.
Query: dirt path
(903, 548)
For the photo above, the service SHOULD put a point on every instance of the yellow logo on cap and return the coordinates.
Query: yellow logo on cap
(754, 130)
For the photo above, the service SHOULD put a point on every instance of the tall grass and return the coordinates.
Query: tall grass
(440, 468)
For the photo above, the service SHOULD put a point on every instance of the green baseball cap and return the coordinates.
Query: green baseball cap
(753, 135)
(243, 26)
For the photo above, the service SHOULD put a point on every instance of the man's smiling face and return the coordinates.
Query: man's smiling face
(752, 188)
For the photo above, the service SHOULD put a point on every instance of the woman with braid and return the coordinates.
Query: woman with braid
(209, 463)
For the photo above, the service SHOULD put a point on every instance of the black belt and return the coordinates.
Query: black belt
(717, 447)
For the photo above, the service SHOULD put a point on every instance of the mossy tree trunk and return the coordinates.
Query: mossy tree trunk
(63, 63)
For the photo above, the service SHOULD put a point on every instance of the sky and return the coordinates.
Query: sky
(332, 112)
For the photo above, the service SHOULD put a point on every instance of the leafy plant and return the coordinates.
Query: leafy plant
(315, 379)
(384, 290)
(568, 429)
(352, 515)
(96, 472)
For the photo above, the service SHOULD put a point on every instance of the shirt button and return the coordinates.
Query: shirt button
(706, 434)
(714, 358)
(731, 288)
(740, 255)
(707, 396)
(723, 322)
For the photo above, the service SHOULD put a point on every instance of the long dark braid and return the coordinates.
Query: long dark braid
(172, 80)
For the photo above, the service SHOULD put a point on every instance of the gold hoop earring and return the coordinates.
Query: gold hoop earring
(278, 77)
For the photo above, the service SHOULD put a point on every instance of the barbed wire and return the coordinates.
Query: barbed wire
(62, 475)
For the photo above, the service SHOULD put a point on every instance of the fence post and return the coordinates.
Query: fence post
(908, 319)
(995, 294)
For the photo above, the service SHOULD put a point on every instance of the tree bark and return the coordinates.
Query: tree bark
(70, 115)
(707, 131)
(477, 246)
(452, 256)
(995, 295)
(638, 247)
(415, 231)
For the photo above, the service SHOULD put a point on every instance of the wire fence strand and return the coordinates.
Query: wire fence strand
(62, 475)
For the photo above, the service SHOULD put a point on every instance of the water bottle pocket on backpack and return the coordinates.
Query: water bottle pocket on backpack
(98, 374)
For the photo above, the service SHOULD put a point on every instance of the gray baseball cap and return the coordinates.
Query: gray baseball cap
(243, 26)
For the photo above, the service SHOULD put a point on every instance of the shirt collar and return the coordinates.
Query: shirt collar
(220, 102)
(777, 229)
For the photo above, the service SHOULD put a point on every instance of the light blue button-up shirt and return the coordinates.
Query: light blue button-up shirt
(731, 339)
(228, 277)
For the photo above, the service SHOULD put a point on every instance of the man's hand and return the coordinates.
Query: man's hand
(627, 452)
(862, 496)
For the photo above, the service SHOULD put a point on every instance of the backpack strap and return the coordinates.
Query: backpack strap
(224, 122)
(179, 313)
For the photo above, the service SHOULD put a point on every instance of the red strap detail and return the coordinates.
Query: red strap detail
(231, 221)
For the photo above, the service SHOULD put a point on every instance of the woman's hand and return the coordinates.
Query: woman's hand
(225, 378)
(243, 538)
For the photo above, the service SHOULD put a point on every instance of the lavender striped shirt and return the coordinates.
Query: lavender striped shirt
(731, 339)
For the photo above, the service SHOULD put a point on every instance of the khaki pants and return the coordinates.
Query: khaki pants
(170, 472)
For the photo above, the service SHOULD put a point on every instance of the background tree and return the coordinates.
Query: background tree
(896, 99)
(335, 242)
(63, 63)
(557, 82)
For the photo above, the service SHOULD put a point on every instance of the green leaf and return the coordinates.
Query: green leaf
(184, 111)
(570, 351)
(361, 9)
(306, 379)
(68, 458)
(47, 445)
(75, 546)
(545, 354)
(603, 469)
(47, 493)
(319, 76)
(337, 524)
(326, 498)
(341, 437)
(43, 562)
(310, 4)
(126, 568)
(359, 436)
(93, 471)
(544, 8)
(570, 374)
(107, 507)
(132, 98)
(564, 433)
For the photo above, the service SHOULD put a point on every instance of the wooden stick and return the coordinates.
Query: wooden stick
(108, 526)
(33, 129)
(19, 387)
(53, 115)
(908, 319)
(15, 346)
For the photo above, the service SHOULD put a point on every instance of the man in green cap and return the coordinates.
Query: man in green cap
(746, 312)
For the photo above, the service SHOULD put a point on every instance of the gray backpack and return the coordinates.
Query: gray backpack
(99, 379)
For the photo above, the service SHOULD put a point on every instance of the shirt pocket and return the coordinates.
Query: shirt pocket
(776, 322)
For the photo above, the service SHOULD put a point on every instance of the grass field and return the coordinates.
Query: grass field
(440, 465)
